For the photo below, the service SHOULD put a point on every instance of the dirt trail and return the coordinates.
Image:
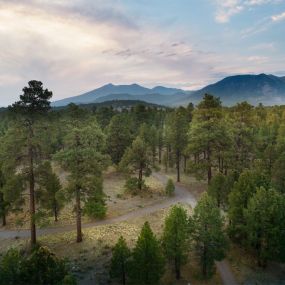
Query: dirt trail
(182, 194)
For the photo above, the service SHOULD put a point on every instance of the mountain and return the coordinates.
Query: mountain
(262, 88)
(122, 92)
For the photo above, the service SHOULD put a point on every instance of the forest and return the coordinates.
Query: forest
(237, 153)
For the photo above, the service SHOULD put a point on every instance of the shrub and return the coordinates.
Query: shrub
(132, 183)
(170, 188)
(40, 267)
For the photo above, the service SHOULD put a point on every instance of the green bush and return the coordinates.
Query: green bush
(40, 267)
(132, 183)
(170, 188)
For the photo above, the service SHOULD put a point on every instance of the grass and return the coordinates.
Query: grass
(195, 186)
(92, 256)
(247, 272)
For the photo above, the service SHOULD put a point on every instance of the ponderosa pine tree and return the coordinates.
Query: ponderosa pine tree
(208, 134)
(147, 263)
(278, 173)
(175, 238)
(26, 138)
(177, 136)
(243, 135)
(84, 159)
(265, 227)
(243, 190)
(136, 160)
(4, 204)
(119, 136)
(50, 194)
(119, 261)
(208, 234)
(220, 187)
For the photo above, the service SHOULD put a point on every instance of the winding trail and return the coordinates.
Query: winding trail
(182, 194)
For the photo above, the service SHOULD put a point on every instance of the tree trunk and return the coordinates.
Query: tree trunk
(209, 165)
(140, 178)
(185, 163)
(177, 269)
(78, 216)
(204, 269)
(2, 202)
(159, 154)
(124, 274)
(32, 197)
(178, 165)
(4, 220)
(55, 211)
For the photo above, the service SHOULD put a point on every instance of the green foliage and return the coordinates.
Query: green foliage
(169, 188)
(136, 160)
(278, 173)
(175, 238)
(119, 136)
(132, 183)
(177, 135)
(208, 235)
(147, 263)
(208, 136)
(220, 187)
(119, 261)
(265, 227)
(11, 268)
(243, 190)
(40, 267)
(50, 194)
(84, 159)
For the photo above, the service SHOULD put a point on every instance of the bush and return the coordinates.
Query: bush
(132, 183)
(40, 267)
(170, 188)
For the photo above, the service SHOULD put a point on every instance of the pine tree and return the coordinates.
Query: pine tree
(175, 238)
(208, 234)
(208, 135)
(33, 105)
(84, 159)
(147, 264)
(264, 219)
(242, 191)
(178, 127)
(136, 160)
(120, 259)
(119, 136)
(169, 188)
(50, 194)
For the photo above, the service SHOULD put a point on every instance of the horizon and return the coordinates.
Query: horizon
(149, 87)
(74, 46)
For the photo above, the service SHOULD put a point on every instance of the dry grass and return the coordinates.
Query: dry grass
(195, 186)
(247, 272)
(90, 259)
(118, 202)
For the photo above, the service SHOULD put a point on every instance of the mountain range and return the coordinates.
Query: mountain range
(262, 88)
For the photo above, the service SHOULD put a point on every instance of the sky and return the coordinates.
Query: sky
(74, 46)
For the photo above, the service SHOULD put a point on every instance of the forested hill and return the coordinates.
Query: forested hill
(116, 104)
(255, 89)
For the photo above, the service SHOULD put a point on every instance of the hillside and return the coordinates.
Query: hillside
(123, 92)
(262, 88)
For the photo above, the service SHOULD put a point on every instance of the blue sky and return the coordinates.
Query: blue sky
(76, 46)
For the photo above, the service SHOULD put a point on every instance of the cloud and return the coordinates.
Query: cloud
(228, 8)
(76, 46)
(279, 17)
